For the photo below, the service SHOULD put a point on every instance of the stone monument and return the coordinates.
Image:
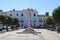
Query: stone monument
(29, 29)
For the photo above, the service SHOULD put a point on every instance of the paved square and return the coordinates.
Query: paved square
(23, 36)
(40, 34)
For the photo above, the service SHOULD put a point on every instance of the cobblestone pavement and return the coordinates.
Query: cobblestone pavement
(14, 35)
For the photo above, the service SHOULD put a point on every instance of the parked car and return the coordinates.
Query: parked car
(1, 27)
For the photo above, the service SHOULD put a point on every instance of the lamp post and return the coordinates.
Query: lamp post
(29, 29)
(29, 20)
(7, 26)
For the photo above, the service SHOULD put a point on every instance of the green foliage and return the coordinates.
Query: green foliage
(2, 19)
(48, 21)
(15, 21)
(8, 20)
(56, 15)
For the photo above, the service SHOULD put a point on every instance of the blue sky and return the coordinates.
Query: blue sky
(41, 5)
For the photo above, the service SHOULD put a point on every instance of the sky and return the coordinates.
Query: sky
(41, 6)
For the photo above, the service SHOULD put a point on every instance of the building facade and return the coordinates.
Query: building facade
(36, 20)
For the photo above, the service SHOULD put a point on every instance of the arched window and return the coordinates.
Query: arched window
(34, 14)
(16, 14)
(21, 14)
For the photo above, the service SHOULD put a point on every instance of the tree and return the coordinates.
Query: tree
(8, 22)
(56, 16)
(2, 20)
(44, 23)
(48, 21)
(15, 22)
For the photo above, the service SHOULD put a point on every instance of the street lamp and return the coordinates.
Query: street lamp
(7, 26)
(29, 29)
(29, 19)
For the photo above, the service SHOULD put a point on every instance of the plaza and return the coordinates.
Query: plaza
(40, 34)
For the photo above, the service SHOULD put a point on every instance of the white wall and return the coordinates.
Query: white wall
(25, 17)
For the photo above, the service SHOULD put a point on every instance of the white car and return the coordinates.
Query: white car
(1, 27)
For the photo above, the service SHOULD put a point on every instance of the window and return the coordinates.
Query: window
(40, 24)
(34, 15)
(34, 24)
(34, 20)
(10, 14)
(22, 24)
(40, 20)
(21, 14)
(22, 21)
(17, 14)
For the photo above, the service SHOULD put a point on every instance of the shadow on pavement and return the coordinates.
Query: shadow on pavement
(4, 31)
(31, 31)
(1, 32)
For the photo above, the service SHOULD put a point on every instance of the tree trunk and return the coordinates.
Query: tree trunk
(58, 28)
(12, 27)
(6, 28)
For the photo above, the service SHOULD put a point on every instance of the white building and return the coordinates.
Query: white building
(2, 13)
(35, 19)
(41, 20)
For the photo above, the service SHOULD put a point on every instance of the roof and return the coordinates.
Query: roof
(41, 15)
(3, 12)
(28, 10)
(24, 10)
